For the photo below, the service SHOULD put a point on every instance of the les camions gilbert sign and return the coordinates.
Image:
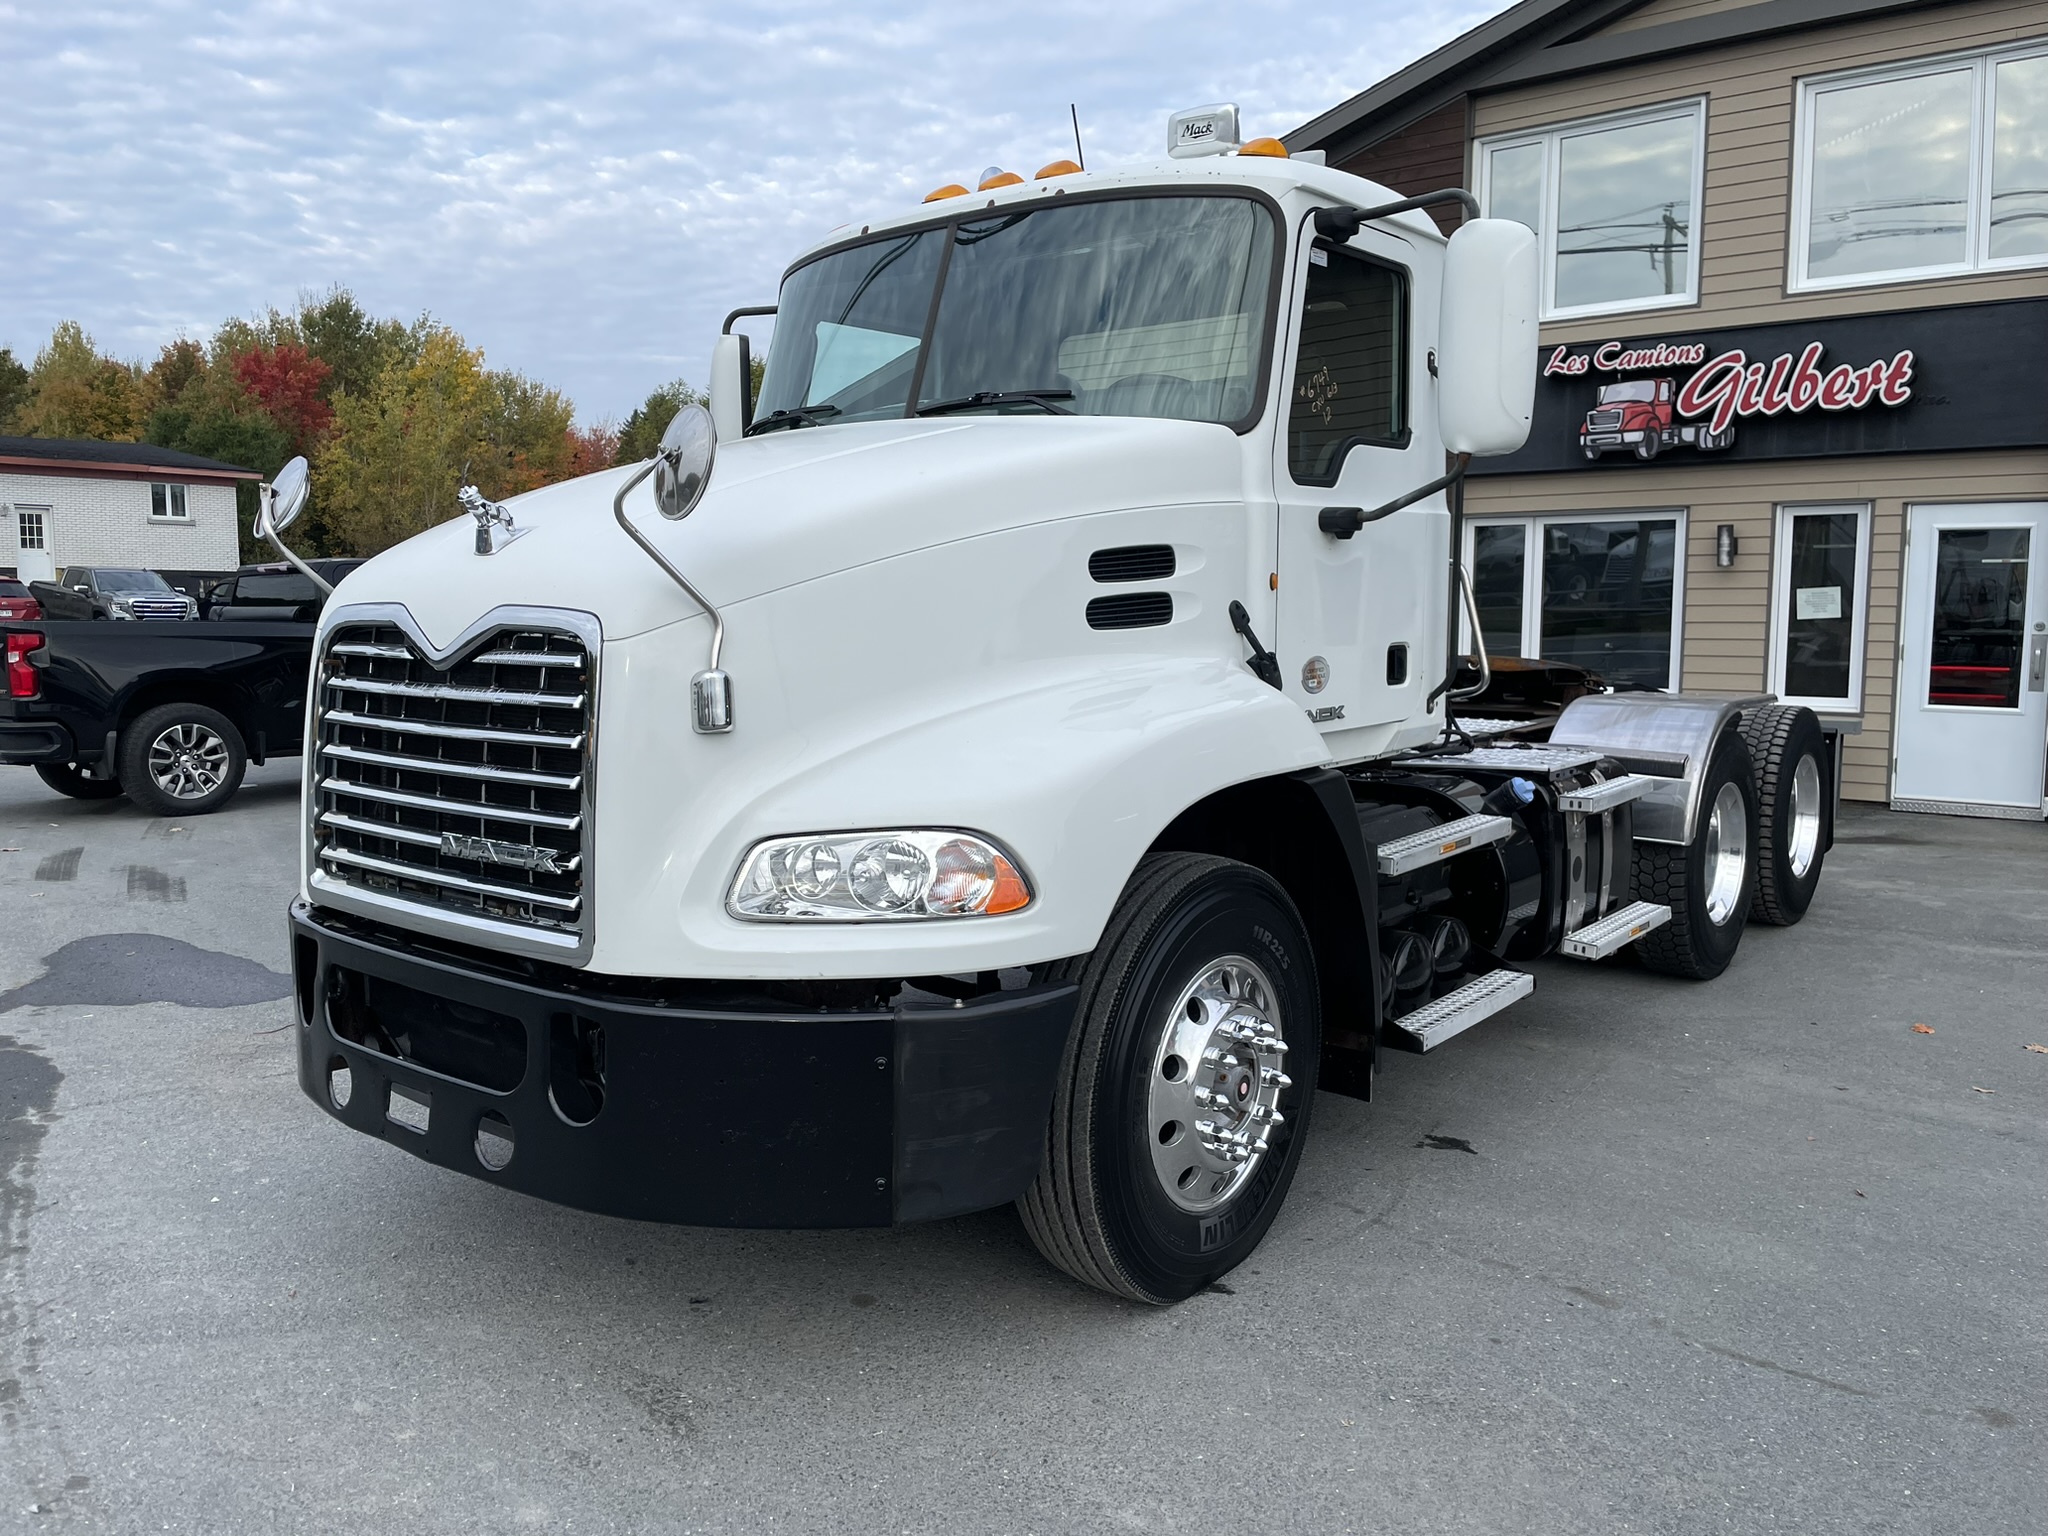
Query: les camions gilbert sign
(1916, 381)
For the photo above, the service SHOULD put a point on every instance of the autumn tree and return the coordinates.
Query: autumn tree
(289, 384)
(641, 434)
(74, 391)
(14, 389)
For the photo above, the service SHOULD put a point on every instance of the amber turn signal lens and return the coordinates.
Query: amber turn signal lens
(1010, 893)
(1059, 168)
(1272, 147)
(950, 189)
(1002, 179)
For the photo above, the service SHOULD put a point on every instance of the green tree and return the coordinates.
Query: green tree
(335, 329)
(641, 434)
(74, 391)
(526, 427)
(14, 389)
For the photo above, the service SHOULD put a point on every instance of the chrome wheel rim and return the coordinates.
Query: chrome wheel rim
(1727, 853)
(188, 762)
(1215, 1086)
(1804, 843)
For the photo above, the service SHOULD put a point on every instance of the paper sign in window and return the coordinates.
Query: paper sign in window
(1817, 603)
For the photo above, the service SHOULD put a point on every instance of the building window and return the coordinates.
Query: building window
(1819, 595)
(1927, 170)
(1602, 593)
(167, 504)
(1350, 374)
(29, 529)
(1614, 204)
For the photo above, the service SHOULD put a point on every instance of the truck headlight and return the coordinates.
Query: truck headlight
(876, 876)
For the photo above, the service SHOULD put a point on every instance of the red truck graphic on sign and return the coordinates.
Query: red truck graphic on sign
(1638, 414)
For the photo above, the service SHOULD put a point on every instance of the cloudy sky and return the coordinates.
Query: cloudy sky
(585, 189)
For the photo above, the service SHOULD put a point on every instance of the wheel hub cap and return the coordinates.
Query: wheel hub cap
(1727, 854)
(1216, 1083)
(188, 762)
(1805, 840)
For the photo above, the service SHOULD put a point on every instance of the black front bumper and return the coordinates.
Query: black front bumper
(27, 742)
(730, 1113)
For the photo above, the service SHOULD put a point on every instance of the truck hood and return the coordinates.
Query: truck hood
(791, 506)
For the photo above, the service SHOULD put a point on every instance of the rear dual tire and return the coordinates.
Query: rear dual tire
(1201, 955)
(1789, 752)
(1708, 883)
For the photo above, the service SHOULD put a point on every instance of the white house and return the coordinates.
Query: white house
(69, 502)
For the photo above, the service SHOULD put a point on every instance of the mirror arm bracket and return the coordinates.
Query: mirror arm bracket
(305, 570)
(1340, 223)
(1342, 522)
(711, 689)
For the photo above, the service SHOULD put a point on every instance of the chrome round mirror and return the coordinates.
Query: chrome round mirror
(683, 463)
(283, 499)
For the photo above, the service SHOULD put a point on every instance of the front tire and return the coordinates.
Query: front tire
(182, 760)
(1183, 1100)
(1709, 882)
(1787, 746)
(67, 779)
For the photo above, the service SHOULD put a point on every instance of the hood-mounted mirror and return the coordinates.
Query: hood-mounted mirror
(278, 506)
(682, 465)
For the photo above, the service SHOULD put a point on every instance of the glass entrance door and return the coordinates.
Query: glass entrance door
(1973, 696)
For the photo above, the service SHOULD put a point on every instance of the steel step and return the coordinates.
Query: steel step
(1435, 844)
(1598, 940)
(1456, 1012)
(1605, 797)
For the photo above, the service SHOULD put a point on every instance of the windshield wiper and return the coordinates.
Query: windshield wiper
(1044, 399)
(799, 416)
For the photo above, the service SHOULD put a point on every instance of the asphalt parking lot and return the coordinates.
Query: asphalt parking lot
(1637, 1256)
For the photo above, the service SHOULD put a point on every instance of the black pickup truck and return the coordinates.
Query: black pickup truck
(169, 714)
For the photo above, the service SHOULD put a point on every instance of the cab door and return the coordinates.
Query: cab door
(1361, 619)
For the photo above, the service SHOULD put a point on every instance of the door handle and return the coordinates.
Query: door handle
(2037, 664)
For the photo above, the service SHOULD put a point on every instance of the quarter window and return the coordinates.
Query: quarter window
(1614, 205)
(1604, 593)
(167, 504)
(1820, 564)
(1350, 373)
(1928, 170)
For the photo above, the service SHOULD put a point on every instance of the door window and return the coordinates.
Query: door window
(1818, 604)
(1979, 617)
(1603, 594)
(1350, 372)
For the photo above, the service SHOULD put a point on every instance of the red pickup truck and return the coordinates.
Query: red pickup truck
(1638, 414)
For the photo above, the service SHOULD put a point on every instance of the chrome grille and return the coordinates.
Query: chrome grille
(1603, 421)
(461, 791)
(157, 607)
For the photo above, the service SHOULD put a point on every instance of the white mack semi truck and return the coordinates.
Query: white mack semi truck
(1017, 758)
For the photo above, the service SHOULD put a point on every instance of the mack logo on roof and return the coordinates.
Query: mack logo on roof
(487, 850)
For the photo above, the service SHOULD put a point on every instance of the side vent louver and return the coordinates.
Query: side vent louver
(1130, 610)
(1132, 562)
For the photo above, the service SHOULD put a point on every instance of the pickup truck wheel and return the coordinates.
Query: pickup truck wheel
(66, 779)
(1183, 1099)
(182, 760)
(1708, 883)
(1786, 744)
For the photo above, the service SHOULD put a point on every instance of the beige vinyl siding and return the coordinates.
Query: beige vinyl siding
(1725, 640)
(1752, 91)
(1658, 12)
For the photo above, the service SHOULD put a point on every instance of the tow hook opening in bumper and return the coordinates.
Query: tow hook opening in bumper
(709, 1106)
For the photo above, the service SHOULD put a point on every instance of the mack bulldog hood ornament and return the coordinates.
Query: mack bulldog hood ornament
(494, 526)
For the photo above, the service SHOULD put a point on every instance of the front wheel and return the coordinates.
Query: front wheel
(1183, 1099)
(1708, 882)
(182, 760)
(66, 779)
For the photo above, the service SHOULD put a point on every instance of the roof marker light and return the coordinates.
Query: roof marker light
(950, 189)
(1265, 146)
(996, 176)
(1058, 168)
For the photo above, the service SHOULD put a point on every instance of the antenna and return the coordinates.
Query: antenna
(1079, 158)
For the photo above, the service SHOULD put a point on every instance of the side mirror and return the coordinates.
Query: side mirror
(682, 465)
(732, 387)
(282, 500)
(1486, 338)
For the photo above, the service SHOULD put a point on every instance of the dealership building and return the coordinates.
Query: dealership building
(1791, 425)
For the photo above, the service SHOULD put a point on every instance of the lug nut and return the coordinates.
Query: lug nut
(1272, 1077)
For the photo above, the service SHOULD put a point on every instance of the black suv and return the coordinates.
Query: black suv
(274, 591)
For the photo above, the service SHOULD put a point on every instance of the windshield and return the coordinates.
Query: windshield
(1147, 306)
(132, 581)
(1643, 390)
